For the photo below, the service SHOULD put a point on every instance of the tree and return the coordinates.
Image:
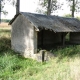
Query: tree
(0, 10)
(68, 15)
(2, 3)
(74, 6)
(17, 6)
(12, 2)
(48, 6)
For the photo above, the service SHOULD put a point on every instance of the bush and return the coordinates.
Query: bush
(5, 20)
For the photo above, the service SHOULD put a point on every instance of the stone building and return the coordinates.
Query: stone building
(31, 31)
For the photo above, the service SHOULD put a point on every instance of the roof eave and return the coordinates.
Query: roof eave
(13, 19)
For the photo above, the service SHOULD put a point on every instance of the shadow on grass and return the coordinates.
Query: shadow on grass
(5, 48)
(5, 44)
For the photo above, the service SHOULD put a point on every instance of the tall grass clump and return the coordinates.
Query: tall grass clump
(65, 66)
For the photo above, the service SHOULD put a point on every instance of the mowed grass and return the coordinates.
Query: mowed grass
(65, 66)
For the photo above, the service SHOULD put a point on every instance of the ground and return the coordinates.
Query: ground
(65, 66)
(5, 26)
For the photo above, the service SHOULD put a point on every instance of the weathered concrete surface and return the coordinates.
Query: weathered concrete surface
(47, 55)
(23, 37)
(24, 40)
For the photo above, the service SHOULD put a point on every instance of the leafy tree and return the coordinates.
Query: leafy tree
(74, 6)
(48, 6)
(0, 10)
(2, 3)
(12, 2)
(68, 15)
(15, 3)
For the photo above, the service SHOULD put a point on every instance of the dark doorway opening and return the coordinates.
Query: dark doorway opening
(48, 39)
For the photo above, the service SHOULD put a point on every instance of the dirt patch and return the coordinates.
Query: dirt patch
(5, 26)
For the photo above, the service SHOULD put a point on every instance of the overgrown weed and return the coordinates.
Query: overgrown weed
(66, 65)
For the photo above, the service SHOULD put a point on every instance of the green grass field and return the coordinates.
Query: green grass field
(66, 66)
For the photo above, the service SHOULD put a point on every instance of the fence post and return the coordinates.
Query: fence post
(43, 56)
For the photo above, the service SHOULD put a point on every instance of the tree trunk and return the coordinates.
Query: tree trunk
(17, 6)
(0, 11)
(49, 7)
(73, 8)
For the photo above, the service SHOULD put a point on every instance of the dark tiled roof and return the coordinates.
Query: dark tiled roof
(55, 23)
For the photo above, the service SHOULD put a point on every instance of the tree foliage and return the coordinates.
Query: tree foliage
(2, 4)
(68, 15)
(48, 5)
(74, 6)
(12, 2)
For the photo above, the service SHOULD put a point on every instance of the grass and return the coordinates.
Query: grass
(66, 66)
